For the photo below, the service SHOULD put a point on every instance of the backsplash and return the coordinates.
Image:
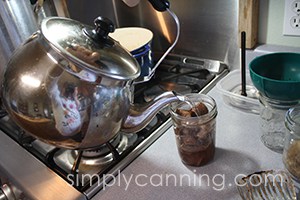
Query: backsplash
(208, 28)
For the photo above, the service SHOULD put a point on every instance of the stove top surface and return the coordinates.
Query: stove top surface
(176, 73)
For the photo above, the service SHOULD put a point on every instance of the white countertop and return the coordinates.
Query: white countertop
(158, 173)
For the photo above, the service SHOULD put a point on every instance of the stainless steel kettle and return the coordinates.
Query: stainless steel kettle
(70, 84)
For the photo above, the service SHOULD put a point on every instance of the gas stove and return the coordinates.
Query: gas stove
(31, 169)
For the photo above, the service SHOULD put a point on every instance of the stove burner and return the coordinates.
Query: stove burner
(182, 81)
(103, 149)
(94, 157)
(103, 155)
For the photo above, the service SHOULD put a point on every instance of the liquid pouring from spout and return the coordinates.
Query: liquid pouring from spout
(140, 116)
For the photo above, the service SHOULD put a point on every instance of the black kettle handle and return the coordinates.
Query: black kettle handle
(160, 5)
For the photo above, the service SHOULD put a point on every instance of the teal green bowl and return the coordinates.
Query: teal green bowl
(277, 75)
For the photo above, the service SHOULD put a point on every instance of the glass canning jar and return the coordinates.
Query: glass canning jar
(195, 135)
(272, 116)
(291, 153)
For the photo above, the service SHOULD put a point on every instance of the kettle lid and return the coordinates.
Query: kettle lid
(90, 48)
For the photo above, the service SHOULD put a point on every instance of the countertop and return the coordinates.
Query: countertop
(158, 172)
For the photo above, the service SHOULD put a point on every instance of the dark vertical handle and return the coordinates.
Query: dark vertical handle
(160, 5)
(243, 62)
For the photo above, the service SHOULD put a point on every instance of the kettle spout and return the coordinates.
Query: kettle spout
(140, 116)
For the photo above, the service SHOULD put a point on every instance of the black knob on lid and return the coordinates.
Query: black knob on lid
(104, 26)
(33, 2)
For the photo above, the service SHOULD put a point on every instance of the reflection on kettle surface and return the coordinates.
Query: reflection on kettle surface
(83, 53)
(66, 109)
(90, 57)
